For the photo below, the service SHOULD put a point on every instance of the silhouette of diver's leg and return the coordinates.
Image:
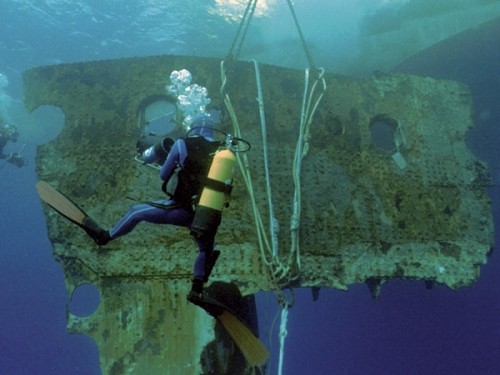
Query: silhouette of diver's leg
(204, 262)
(144, 212)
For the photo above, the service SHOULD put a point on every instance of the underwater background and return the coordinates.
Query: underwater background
(409, 329)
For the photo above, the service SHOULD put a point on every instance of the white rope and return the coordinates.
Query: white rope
(245, 172)
(282, 335)
(22, 149)
(297, 166)
(279, 271)
(306, 116)
(273, 222)
(269, 248)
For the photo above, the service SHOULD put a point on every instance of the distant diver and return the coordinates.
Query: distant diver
(8, 132)
(184, 174)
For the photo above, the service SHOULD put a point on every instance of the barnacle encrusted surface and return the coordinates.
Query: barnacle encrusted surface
(417, 210)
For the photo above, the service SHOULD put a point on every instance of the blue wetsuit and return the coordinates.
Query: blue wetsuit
(180, 216)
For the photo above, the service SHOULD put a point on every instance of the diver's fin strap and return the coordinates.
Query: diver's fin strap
(90, 226)
(207, 303)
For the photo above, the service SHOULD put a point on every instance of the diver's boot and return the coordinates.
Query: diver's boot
(100, 236)
(197, 297)
(210, 263)
(196, 294)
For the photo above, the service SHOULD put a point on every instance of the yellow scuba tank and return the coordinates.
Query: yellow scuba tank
(217, 186)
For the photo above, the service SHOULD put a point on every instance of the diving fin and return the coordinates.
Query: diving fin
(249, 344)
(60, 203)
(63, 205)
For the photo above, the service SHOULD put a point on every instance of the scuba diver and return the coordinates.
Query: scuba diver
(8, 133)
(196, 174)
(189, 159)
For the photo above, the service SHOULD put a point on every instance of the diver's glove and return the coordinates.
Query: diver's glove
(16, 159)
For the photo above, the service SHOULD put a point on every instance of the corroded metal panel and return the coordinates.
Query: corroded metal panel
(416, 209)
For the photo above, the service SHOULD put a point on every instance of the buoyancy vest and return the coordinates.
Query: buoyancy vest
(192, 175)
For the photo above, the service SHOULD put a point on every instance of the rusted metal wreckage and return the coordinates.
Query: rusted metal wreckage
(389, 190)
